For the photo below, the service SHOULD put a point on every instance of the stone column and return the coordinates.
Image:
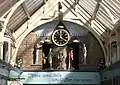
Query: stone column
(9, 51)
(118, 47)
(110, 52)
(1, 45)
(118, 42)
(107, 54)
(1, 50)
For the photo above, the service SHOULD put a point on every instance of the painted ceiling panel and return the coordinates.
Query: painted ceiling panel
(5, 5)
(105, 17)
(84, 13)
(88, 5)
(17, 18)
(114, 7)
(32, 5)
(102, 27)
(115, 11)
(47, 29)
(99, 26)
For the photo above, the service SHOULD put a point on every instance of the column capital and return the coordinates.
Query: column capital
(1, 43)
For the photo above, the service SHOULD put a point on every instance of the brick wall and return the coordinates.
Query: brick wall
(25, 52)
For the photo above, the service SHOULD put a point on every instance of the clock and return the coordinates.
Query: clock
(60, 37)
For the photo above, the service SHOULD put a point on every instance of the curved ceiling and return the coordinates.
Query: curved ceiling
(100, 15)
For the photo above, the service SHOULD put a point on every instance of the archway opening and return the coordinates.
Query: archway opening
(81, 58)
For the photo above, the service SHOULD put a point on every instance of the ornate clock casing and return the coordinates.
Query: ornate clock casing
(60, 37)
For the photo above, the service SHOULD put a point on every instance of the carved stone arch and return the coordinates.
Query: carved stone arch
(72, 21)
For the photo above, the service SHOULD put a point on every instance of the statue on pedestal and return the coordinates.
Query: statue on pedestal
(36, 53)
(70, 58)
(85, 53)
(50, 57)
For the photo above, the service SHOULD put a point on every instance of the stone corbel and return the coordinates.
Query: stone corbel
(1, 43)
(1, 26)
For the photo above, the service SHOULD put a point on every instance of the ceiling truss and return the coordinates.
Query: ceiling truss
(75, 7)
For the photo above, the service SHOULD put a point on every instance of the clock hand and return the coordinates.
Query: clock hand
(63, 39)
(61, 36)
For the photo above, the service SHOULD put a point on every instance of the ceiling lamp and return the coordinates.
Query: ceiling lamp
(41, 42)
(76, 41)
(47, 40)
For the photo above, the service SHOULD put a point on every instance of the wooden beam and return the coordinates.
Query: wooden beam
(96, 10)
(10, 13)
(25, 10)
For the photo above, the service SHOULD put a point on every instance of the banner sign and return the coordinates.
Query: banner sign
(61, 77)
(15, 83)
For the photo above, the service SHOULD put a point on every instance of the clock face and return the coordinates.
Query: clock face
(60, 37)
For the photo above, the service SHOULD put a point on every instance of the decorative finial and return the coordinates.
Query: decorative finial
(59, 6)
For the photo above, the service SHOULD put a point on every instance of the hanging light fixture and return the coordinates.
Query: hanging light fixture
(42, 42)
(76, 41)
(47, 40)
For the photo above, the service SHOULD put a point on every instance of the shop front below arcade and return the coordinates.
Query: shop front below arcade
(57, 77)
